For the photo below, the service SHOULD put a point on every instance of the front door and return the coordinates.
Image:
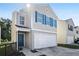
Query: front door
(21, 40)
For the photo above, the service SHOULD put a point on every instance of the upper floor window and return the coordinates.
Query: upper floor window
(43, 19)
(21, 20)
(38, 17)
(51, 22)
(47, 21)
(70, 27)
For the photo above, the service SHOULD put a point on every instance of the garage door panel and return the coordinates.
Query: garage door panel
(42, 40)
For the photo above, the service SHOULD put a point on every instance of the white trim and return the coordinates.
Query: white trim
(23, 29)
(43, 30)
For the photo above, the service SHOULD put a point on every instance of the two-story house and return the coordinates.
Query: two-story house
(34, 27)
(65, 31)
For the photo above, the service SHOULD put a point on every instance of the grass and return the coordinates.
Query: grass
(69, 46)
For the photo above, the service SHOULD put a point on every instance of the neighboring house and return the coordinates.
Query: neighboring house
(76, 35)
(35, 27)
(65, 31)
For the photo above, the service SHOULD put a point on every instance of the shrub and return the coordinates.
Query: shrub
(69, 46)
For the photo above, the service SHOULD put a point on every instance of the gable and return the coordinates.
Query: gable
(45, 9)
(70, 21)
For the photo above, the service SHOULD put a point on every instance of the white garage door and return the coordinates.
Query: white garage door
(70, 40)
(42, 40)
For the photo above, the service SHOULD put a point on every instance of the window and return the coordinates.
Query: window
(21, 20)
(70, 27)
(47, 21)
(51, 22)
(43, 19)
(77, 32)
(38, 17)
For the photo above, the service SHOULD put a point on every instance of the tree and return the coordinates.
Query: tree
(5, 29)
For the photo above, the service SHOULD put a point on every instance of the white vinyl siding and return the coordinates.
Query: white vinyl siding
(70, 40)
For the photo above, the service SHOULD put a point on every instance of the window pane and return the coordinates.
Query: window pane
(44, 19)
(21, 20)
(47, 20)
(51, 22)
(38, 17)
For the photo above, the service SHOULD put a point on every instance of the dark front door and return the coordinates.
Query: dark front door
(20, 40)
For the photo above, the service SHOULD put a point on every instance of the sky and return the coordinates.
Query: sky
(63, 10)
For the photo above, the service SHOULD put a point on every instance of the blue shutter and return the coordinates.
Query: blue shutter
(44, 19)
(55, 24)
(35, 16)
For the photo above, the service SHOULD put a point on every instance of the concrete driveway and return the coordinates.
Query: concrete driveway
(54, 51)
